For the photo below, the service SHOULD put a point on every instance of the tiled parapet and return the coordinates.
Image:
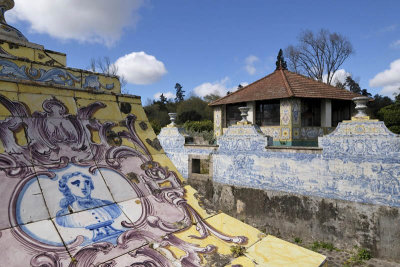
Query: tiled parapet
(243, 138)
(172, 138)
(363, 139)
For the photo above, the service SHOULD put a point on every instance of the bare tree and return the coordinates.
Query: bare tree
(105, 66)
(319, 54)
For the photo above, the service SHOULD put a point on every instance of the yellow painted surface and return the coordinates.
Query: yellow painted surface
(94, 96)
(194, 203)
(11, 96)
(166, 162)
(234, 227)
(34, 102)
(223, 247)
(242, 260)
(104, 80)
(18, 50)
(8, 86)
(136, 110)
(58, 60)
(272, 251)
(45, 90)
(130, 99)
(147, 134)
(110, 112)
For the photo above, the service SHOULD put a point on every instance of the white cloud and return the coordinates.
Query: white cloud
(395, 44)
(218, 88)
(168, 95)
(339, 76)
(250, 60)
(140, 68)
(388, 79)
(94, 21)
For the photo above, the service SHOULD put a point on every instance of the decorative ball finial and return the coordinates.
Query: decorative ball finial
(6, 30)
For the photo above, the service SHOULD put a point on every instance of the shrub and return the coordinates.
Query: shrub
(237, 251)
(199, 126)
(156, 126)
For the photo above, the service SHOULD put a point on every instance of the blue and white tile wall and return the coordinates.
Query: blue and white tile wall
(360, 162)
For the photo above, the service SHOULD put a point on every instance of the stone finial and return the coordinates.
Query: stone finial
(6, 31)
(172, 117)
(244, 113)
(361, 108)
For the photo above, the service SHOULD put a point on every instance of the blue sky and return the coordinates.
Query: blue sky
(210, 45)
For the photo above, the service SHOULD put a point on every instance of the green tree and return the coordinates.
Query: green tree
(353, 85)
(211, 97)
(379, 102)
(280, 61)
(179, 93)
(193, 108)
(391, 116)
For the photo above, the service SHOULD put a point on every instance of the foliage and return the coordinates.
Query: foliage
(105, 66)
(280, 61)
(199, 126)
(319, 54)
(179, 93)
(156, 126)
(192, 109)
(212, 97)
(194, 106)
(298, 240)
(190, 115)
(378, 103)
(358, 257)
(391, 116)
(354, 87)
(238, 251)
(322, 245)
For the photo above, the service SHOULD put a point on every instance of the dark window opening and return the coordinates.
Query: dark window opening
(195, 165)
(268, 113)
(311, 112)
(233, 113)
(341, 110)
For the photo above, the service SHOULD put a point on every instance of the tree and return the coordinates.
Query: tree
(211, 97)
(163, 99)
(105, 66)
(391, 116)
(280, 61)
(319, 54)
(179, 93)
(353, 85)
(376, 105)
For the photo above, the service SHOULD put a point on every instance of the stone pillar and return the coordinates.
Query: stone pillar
(326, 113)
(218, 121)
(252, 112)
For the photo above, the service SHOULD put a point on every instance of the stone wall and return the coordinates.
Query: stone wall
(288, 215)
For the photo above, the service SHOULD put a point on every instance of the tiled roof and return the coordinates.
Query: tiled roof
(285, 84)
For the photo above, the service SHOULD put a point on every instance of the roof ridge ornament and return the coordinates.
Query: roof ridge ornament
(280, 61)
(8, 32)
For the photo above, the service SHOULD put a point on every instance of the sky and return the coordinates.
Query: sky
(210, 46)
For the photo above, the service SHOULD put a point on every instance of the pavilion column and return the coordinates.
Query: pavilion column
(326, 113)
(252, 112)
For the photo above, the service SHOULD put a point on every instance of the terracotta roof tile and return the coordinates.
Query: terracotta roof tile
(285, 84)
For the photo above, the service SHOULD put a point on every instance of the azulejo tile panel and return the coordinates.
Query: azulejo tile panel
(71, 198)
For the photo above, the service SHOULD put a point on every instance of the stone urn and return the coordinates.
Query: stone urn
(7, 31)
(172, 117)
(244, 111)
(361, 106)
